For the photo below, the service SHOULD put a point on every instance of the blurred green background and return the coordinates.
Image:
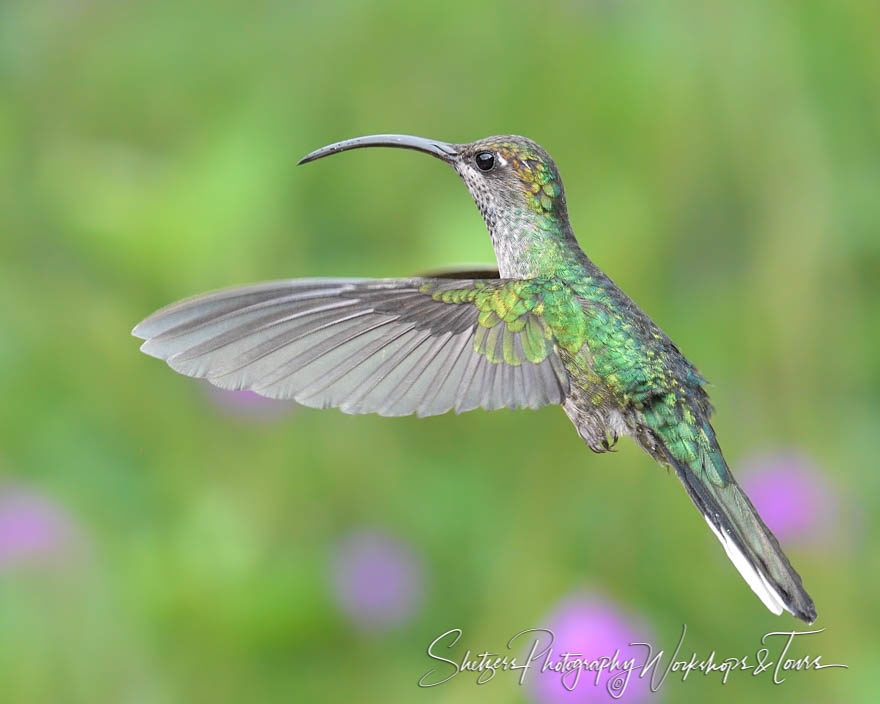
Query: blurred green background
(722, 164)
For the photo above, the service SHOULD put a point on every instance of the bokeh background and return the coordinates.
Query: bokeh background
(163, 542)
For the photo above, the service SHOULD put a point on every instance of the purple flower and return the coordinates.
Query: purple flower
(377, 580)
(249, 404)
(796, 502)
(592, 628)
(33, 530)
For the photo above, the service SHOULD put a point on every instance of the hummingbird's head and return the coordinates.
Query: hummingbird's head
(511, 177)
(513, 181)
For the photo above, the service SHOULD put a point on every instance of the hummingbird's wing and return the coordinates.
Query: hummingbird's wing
(387, 346)
(477, 271)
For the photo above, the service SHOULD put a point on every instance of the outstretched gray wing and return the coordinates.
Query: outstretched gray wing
(387, 346)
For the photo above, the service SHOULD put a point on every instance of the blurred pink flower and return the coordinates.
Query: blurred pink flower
(377, 580)
(33, 529)
(249, 404)
(796, 502)
(592, 628)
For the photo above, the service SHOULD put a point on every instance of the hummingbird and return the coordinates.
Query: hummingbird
(547, 327)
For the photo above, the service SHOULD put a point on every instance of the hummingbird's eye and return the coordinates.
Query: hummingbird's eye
(485, 161)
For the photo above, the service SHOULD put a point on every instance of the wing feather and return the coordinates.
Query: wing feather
(387, 346)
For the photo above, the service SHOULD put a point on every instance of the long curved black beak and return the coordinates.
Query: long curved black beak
(442, 150)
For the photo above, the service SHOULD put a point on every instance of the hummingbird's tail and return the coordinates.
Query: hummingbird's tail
(748, 542)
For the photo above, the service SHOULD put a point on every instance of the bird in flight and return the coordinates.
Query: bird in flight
(548, 327)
